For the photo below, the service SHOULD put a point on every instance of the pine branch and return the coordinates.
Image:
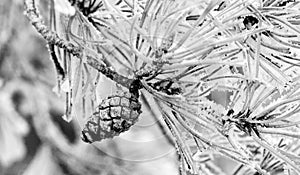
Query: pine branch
(51, 37)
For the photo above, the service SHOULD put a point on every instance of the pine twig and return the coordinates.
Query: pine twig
(51, 37)
(60, 71)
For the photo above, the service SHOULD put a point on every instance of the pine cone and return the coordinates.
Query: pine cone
(116, 114)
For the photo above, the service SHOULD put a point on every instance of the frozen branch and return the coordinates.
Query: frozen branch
(51, 37)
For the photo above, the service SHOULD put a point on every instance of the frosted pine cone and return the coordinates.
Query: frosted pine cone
(116, 114)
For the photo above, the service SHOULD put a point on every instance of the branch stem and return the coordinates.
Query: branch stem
(51, 37)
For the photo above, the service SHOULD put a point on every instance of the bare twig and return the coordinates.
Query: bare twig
(60, 71)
